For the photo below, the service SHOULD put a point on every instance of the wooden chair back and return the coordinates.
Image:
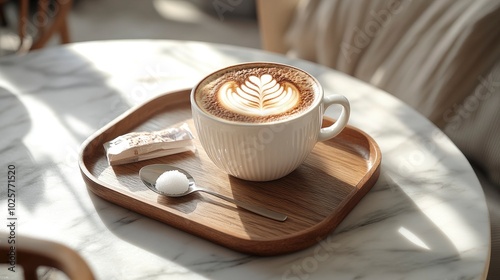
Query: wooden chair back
(31, 253)
(48, 19)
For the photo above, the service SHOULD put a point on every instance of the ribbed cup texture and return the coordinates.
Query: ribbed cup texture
(258, 153)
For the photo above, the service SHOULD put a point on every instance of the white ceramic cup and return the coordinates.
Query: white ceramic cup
(267, 150)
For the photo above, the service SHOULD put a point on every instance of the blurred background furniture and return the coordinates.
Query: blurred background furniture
(93, 20)
(38, 21)
(440, 57)
(32, 253)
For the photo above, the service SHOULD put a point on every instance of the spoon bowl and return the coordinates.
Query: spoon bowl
(150, 173)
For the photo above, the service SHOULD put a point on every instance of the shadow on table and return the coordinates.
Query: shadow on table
(57, 86)
(16, 124)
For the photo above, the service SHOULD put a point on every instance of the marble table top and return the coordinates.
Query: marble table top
(426, 217)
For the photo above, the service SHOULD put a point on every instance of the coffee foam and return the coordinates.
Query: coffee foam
(257, 94)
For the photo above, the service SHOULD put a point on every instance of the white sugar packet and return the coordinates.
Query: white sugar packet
(137, 146)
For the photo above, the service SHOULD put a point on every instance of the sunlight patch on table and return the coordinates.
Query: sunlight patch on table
(413, 238)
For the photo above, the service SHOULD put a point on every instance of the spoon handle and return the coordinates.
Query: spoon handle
(252, 208)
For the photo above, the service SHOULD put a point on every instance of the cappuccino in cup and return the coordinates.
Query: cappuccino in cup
(259, 121)
(260, 94)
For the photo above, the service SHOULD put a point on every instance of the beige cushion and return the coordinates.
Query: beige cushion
(437, 56)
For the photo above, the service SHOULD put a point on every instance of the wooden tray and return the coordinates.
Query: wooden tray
(316, 197)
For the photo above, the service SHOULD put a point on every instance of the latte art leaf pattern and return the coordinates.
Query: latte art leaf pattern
(259, 96)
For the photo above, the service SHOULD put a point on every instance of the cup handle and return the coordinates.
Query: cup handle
(334, 129)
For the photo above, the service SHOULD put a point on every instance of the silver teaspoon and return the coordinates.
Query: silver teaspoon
(150, 173)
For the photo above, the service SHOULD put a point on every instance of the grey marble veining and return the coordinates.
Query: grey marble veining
(426, 217)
